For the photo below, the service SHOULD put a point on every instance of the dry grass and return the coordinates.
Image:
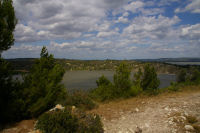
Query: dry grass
(191, 119)
(115, 108)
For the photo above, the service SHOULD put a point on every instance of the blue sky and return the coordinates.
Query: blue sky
(107, 29)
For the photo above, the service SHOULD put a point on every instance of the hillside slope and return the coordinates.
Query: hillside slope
(166, 113)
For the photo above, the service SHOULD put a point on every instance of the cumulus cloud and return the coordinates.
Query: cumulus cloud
(115, 29)
(134, 6)
(191, 32)
(61, 18)
(193, 7)
(151, 27)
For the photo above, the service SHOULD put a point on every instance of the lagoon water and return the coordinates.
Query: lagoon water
(87, 79)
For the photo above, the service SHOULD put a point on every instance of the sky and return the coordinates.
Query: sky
(107, 29)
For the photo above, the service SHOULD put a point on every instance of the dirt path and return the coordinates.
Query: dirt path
(166, 113)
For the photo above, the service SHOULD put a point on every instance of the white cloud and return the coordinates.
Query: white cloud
(107, 34)
(193, 7)
(103, 29)
(143, 27)
(134, 6)
(63, 19)
(122, 19)
(191, 32)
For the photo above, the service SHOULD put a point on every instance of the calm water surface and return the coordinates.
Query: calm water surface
(87, 79)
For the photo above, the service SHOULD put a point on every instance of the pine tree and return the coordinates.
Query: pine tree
(43, 86)
(150, 80)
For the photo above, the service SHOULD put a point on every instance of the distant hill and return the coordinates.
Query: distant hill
(170, 60)
(162, 65)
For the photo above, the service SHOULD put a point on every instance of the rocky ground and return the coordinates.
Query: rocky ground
(166, 113)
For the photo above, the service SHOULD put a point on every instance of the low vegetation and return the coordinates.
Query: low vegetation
(144, 81)
(81, 100)
(123, 86)
(42, 90)
(69, 120)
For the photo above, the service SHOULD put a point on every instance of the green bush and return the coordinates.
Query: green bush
(195, 75)
(57, 122)
(103, 93)
(137, 79)
(122, 81)
(135, 90)
(11, 93)
(103, 81)
(42, 86)
(69, 121)
(181, 77)
(173, 86)
(150, 80)
(81, 100)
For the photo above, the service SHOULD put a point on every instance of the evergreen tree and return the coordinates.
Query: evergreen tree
(7, 86)
(43, 86)
(122, 79)
(181, 76)
(102, 81)
(138, 78)
(7, 24)
(150, 80)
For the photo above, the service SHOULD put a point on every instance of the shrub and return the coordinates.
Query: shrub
(103, 93)
(134, 91)
(192, 119)
(81, 100)
(138, 78)
(42, 87)
(173, 86)
(103, 81)
(69, 120)
(181, 77)
(121, 78)
(195, 76)
(57, 122)
(150, 80)
(196, 127)
(11, 93)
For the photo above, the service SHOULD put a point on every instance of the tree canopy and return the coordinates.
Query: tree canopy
(7, 24)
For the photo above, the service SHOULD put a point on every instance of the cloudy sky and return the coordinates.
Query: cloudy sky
(101, 29)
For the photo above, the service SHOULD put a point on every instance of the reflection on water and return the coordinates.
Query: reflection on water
(87, 79)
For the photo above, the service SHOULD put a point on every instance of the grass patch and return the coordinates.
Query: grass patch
(81, 100)
(196, 127)
(192, 119)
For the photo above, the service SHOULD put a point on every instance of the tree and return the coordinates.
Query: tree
(122, 80)
(181, 76)
(150, 80)
(195, 75)
(8, 88)
(43, 88)
(7, 24)
(102, 81)
(138, 78)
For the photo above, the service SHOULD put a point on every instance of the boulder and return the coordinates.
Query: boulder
(189, 128)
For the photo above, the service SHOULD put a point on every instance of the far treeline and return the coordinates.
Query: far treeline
(23, 65)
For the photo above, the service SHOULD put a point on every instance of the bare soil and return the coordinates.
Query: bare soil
(165, 113)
